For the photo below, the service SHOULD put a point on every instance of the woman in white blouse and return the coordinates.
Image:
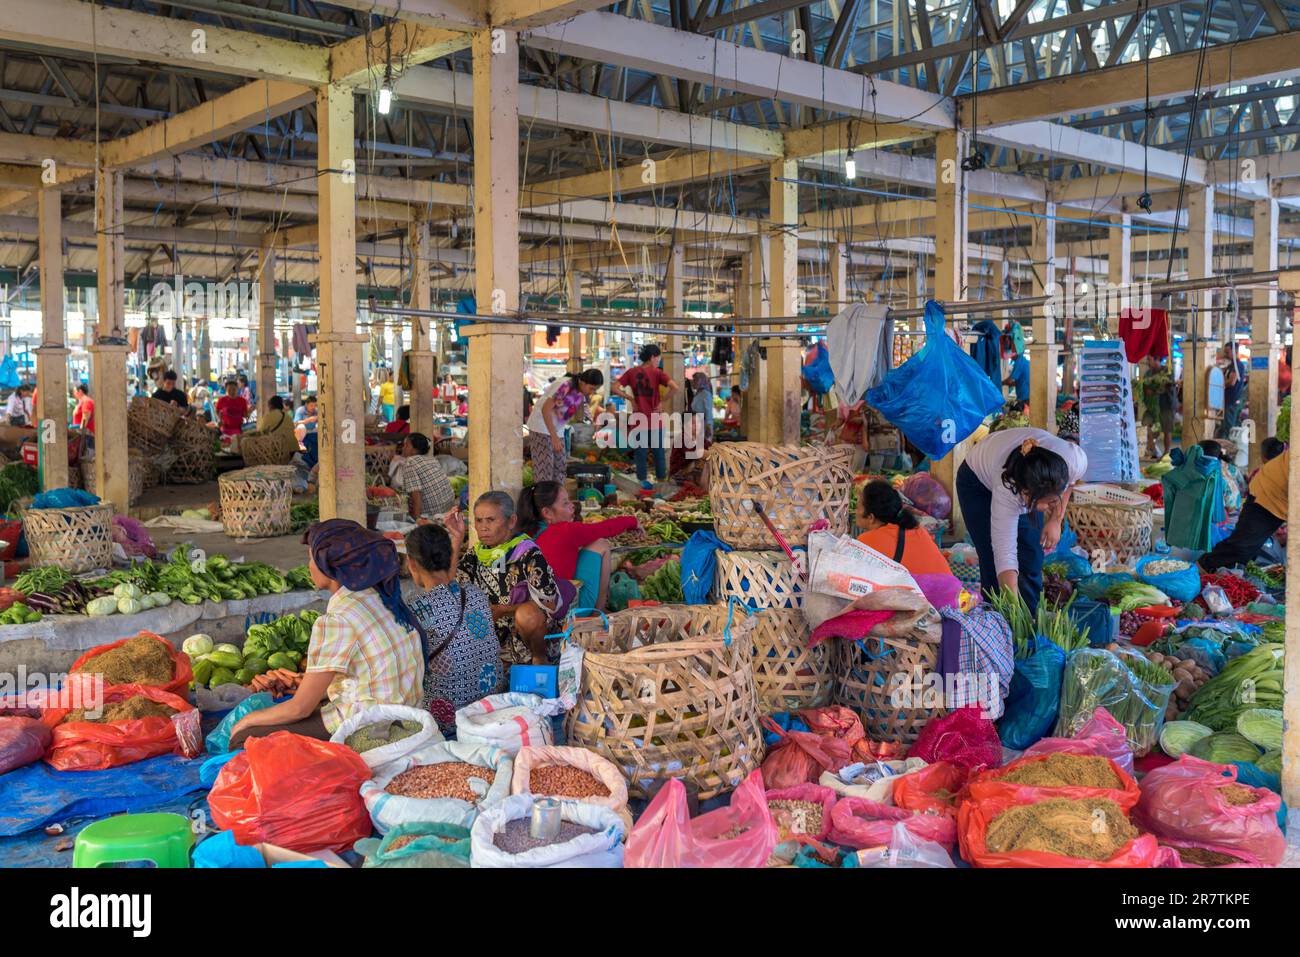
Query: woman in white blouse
(18, 410)
(1013, 488)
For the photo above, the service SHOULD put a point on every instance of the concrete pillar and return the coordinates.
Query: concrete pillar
(52, 356)
(266, 353)
(108, 354)
(1265, 345)
(1044, 351)
(951, 240)
(1119, 268)
(1199, 346)
(203, 346)
(782, 388)
(573, 302)
(755, 271)
(422, 357)
(496, 351)
(674, 361)
(340, 355)
(840, 295)
(1291, 676)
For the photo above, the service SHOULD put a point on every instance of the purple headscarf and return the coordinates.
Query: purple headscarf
(358, 558)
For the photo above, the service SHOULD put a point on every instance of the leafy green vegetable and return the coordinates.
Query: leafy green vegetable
(1224, 748)
(1129, 595)
(1252, 680)
(1261, 726)
(17, 481)
(1270, 761)
(665, 585)
(1177, 736)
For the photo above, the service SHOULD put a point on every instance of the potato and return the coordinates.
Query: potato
(1113, 646)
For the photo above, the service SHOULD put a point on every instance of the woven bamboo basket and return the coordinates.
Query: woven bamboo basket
(1106, 519)
(269, 449)
(255, 502)
(150, 423)
(195, 454)
(788, 675)
(137, 469)
(378, 459)
(869, 673)
(75, 539)
(663, 695)
(796, 485)
(759, 579)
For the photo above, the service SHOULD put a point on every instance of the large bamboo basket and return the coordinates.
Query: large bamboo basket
(195, 448)
(1106, 519)
(796, 485)
(759, 579)
(788, 675)
(269, 449)
(75, 539)
(255, 502)
(378, 459)
(137, 471)
(867, 673)
(150, 423)
(663, 695)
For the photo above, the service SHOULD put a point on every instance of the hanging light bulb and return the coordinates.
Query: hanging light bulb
(850, 167)
(386, 92)
(1083, 287)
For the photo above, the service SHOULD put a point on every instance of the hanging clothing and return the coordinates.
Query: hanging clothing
(1145, 333)
(1193, 501)
(301, 344)
(1012, 340)
(724, 352)
(985, 350)
(860, 341)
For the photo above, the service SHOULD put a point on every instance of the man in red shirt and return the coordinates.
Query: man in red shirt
(232, 409)
(640, 385)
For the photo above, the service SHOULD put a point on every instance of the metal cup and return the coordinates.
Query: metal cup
(544, 825)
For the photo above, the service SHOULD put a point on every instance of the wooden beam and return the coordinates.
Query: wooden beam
(362, 61)
(1199, 352)
(782, 392)
(108, 353)
(527, 14)
(638, 177)
(1264, 327)
(266, 350)
(35, 150)
(422, 357)
(52, 356)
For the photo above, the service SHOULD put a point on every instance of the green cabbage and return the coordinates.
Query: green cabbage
(128, 590)
(1261, 726)
(233, 649)
(129, 606)
(1129, 595)
(1224, 748)
(1177, 737)
(196, 645)
(97, 607)
(160, 598)
(1270, 761)
(145, 602)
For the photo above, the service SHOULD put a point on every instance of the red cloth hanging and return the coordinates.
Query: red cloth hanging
(1145, 333)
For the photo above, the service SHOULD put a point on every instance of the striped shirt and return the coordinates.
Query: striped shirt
(379, 661)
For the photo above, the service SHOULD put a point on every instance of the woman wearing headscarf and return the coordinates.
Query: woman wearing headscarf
(702, 402)
(528, 601)
(366, 649)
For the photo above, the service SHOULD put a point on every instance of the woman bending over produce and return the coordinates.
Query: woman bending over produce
(577, 551)
(366, 649)
(1013, 489)
(893, 531)
(526, 599)
(464, 662)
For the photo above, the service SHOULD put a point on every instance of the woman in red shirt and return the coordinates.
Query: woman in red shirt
(232, 409)
(578, 551)
(84, 413)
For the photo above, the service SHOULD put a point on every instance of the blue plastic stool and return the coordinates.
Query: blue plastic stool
(163, 839)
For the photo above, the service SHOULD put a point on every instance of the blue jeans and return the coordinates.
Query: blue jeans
(642, 459)
(976, 504)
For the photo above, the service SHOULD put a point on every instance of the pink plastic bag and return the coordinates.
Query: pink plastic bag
(803, 792)
(858, 822)
(22, 741)
(800, 757)
(1168, 855)
(928, 495)
(1183, 801)
(1101, 735)
(963, 737)
(666, 837)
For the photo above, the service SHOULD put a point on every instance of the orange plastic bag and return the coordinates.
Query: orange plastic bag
(974, 817)
(987, 784)
(666, 837)
(920, 790)
(182, 673)
(800, 757)
(92, 746)
(292, 791)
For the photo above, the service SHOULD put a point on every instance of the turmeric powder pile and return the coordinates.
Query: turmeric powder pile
(1066, 770)
(1093, 829)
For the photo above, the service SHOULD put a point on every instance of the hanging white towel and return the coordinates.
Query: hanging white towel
(860, 341)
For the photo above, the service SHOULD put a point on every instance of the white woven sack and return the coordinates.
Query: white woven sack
(389, 810)
(604, 848)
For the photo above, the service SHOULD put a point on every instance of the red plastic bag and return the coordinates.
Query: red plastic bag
(182, 674)
(92, 746)
(919, 791)
(988, 784)
(800, 757)
(1101, 734)
(974, 817)
(1184, 801)
(666, 837)
(22, 741)
(804, 792)
(1169, 857)
(834, 721)
(858, 822)
(963, 737)
(293, 791)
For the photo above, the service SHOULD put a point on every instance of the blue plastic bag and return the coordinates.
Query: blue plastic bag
(699, 562)
(1096, 586)
(1206, 653)
(1034, 697)
(220, 850)
(786, 722)
(940, 395)
(817, 370)
(1180, 586)
(1103, 627)
(218, 742)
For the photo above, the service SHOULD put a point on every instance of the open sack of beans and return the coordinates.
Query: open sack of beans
(1200, 801)
(385, 733)
(132, 722)
(804, 809)
(739, 835)
(1057, 775)
(417, 844)
(574, 774)
(857, 822)
(1057, 832)
(590, 836)
(510, 721)
(449, 782)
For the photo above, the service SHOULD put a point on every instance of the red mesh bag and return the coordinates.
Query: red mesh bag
(963, 737)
